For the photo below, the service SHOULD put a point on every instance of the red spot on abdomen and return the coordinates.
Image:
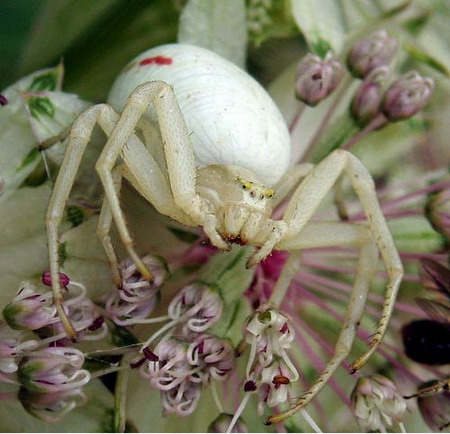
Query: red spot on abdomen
(157, 60)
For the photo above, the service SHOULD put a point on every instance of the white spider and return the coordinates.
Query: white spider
(205, 144)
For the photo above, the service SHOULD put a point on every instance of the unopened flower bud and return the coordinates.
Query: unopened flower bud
(437, 211)
(376, 403)
(435, 409)
(51, 407)
(222, 422)
(30, 310)
(317, 78)
(408, 95)
(47, 279)
(53, 370)
(369, 53)
(367, 99)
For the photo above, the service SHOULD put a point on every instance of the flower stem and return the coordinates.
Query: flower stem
(120, 396)
(297, 117)
(374, 124)
(310, 420)
(326, 119)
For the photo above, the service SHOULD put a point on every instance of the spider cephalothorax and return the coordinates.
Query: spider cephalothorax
(236, 200)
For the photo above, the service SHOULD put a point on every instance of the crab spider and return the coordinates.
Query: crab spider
(205, 145)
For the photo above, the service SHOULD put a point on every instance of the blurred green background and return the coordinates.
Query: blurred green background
(94, 39)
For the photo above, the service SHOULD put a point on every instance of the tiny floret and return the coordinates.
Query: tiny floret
(377, 404)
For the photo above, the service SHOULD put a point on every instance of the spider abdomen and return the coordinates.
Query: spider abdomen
(230, 117)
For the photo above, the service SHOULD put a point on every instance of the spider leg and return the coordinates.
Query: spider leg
(302, 206)
(79, 137)
(104, 228)
(306, 200)
(365, 270)
(290, 180)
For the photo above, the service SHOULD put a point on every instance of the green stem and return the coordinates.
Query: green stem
(120, 396)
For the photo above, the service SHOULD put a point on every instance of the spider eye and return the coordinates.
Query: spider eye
(269, 194)
(245, 184)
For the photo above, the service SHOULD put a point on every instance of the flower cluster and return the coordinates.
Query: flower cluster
(36, 352)
(187, 358)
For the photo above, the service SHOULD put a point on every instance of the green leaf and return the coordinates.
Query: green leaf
(30, 158)
(227, 273)
(41, 106)
(321, 23)
(423, 57)
(217, 25)
(96, 39)
(48, 81)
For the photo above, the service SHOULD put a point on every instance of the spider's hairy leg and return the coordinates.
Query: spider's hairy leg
(79, 137)
(364, 187)
(365, 270)
(306, 200)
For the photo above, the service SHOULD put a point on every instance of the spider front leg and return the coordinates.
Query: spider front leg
(306, 200)
(79, 137)
(301, 208)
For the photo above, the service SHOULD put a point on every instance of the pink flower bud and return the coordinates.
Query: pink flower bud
(30, 310)
(369, 53)
(317, 78)
(408, 95)
(47, 279)
(366, 102)
(53, 370)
